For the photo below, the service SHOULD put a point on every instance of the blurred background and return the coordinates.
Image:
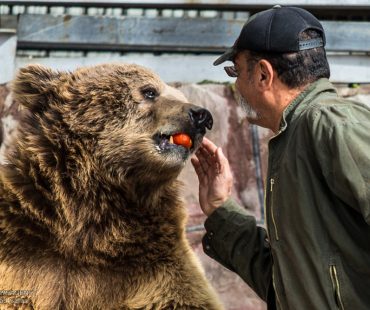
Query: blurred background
(179, 40)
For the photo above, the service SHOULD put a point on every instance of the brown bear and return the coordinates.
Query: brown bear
(90, 213)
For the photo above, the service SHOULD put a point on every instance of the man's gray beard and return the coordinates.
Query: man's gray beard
(249, 111)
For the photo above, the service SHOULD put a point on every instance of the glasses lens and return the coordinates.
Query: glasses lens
(231, 71)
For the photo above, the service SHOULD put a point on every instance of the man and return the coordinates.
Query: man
(315, 251)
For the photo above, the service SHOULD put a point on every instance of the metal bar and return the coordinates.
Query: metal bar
(201, 4)
(8, 21)
(8, 43)
(125, 33)
(347, 36)
(195, 228)
(160, 34)
(196, 68)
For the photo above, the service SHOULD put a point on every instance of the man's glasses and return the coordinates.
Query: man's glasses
(231, 71)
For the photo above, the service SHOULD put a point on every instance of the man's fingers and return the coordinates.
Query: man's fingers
(225, 170)
(222, 160)
(207, 156)
(198, 168)
(209, 145)
(203, 160)
(211, 159)
(195, 162)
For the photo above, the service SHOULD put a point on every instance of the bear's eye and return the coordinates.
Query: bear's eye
(149, 93)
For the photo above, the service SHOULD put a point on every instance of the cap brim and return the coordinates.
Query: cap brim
(228, 55)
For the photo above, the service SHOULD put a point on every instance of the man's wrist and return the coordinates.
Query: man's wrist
(215, 205)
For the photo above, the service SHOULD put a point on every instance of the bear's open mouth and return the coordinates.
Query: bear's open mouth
(174, 142)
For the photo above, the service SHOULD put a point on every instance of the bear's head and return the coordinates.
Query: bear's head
(117, 120)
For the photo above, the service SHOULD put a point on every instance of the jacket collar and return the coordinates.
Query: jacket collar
(303, 99)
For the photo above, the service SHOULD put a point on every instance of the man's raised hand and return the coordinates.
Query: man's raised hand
(214, 174)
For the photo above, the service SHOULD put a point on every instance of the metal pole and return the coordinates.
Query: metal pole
(8, 44)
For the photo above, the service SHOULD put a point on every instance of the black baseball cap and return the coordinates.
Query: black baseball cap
(276, 30)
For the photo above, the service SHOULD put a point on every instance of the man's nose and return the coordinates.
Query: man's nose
(201, 118)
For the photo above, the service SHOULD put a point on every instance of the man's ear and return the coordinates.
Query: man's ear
(266, 73)
(34, 86)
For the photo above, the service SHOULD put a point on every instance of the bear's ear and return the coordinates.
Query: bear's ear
(34, 85)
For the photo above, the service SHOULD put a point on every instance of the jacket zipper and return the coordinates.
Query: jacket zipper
(271, 202)
(272, 182)
(336, 288)
(276, 293)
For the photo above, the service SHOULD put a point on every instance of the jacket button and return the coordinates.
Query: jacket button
(208, 247)
(210, 235)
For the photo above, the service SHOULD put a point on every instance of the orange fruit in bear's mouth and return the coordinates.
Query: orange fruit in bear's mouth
(181, 139)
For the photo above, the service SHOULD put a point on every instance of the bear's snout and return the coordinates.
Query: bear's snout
(201, 118)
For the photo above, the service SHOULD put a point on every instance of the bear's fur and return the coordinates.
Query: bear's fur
(90, 213)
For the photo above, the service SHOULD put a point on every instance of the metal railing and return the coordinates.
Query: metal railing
(325, 9)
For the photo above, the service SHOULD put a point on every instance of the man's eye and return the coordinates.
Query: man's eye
(149, 94)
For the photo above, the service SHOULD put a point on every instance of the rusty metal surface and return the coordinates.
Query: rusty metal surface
(126, 33)
(8, 43)
(211, 4)
(160, 34)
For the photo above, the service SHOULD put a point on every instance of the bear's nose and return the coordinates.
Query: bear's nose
(201, 118)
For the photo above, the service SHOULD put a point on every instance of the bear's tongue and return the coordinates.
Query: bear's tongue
(181, 139)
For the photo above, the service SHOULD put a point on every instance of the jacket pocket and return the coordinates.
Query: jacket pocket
(336, 286)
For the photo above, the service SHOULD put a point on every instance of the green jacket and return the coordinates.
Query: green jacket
(315, 253)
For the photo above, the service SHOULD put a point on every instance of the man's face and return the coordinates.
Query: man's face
(245, 86)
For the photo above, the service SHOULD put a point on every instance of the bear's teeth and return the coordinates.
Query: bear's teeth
(171, 139)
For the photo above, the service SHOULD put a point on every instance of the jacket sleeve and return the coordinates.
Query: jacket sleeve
(342, 143)
(234, 240)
